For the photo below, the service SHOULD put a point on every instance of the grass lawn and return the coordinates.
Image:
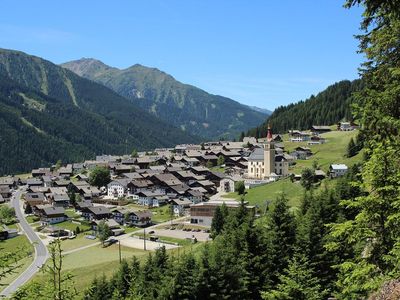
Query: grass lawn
(11, 245)
(86, 264)
(333, 151)
(72, 226)
(258, 195)
(32, 219)
(71, 213)
(182, 242)
(218, 169)
(161, 214)
(79, 241)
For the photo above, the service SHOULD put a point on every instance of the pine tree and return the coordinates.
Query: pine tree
(351, 148)
(296, 283)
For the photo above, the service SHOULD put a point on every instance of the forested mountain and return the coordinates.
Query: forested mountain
(49, 113)
(182, 105)
(328, 107)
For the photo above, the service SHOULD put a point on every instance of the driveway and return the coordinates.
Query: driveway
(41, 253)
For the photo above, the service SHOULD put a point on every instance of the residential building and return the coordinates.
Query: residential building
(117, 188)
(95, 212)
(131, 217)
(52, 215)
(202, 213)
(337, 170)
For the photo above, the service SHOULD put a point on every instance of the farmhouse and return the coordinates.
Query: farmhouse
(337, 170)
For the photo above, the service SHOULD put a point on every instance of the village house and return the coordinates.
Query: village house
(34, 199)
(180, 207)
(131, 217)
(337, 170)
(319, 129)
(149, 198)
(59, 200)
(346, 126)
(5, 192)
(203, 213)
(117, 188)
(301, 153)
(299, 136)
(51, 215)
(95, 213)
(113, 225)
(227, 185)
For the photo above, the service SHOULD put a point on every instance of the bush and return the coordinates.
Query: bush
(239, 187)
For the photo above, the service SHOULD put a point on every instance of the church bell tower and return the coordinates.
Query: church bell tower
(269, 154)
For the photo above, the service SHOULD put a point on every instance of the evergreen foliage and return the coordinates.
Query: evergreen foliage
(328, 107)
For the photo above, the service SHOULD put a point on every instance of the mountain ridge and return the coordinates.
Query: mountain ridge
(183, 105)
(70, 117)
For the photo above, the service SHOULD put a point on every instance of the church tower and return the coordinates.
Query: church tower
(269, 154)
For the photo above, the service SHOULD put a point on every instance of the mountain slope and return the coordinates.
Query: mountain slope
(182, 105)
(328, 107)
(49, 113)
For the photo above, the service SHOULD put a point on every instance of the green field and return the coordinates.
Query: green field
(79, 241)
(11, 245)
(72, 226)
(86, 264)
(160, 214)
(333, 151)
(259, 195)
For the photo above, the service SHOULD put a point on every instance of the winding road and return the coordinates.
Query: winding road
(41, 253)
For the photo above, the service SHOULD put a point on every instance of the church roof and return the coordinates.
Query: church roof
(257, 155)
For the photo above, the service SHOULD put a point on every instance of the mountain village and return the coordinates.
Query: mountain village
(181, 186)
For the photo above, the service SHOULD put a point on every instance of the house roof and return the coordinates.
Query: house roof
(168, 179)
(34, 197)
(61, 197)
(121, 181)
(182, 202)
(338, 167)
(51, 210)
(99, 210)
(132, 175)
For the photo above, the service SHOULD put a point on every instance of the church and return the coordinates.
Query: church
(263, 162)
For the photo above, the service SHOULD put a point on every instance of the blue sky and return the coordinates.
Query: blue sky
(264, 53)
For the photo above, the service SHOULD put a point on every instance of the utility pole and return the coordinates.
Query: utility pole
(119, 249)
(144, 239)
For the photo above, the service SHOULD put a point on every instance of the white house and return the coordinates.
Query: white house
(337, 170)
(117, 188)
(226, 185)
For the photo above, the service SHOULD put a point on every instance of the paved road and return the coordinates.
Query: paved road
(41, 253)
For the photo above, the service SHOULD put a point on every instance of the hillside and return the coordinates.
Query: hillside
(328, 107)
(333, 151)
(49, 113)
(185, 106)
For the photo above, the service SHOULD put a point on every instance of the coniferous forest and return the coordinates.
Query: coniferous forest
(326, 108)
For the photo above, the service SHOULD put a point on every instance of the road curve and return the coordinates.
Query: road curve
(41, 253)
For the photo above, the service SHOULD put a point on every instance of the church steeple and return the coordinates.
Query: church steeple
(269, 134)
